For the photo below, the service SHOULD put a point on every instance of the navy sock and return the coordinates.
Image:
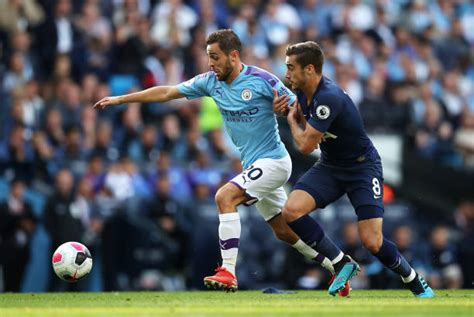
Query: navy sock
(313, 235)
(392, 259)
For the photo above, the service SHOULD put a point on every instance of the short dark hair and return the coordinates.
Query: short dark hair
(227, 40)
(307, 53)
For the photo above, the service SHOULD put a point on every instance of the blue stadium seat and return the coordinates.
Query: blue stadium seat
(4, 188)
(121, 84)
(38, 269)
(37, 201)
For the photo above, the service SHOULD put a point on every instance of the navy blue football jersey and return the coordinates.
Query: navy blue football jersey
(333, 113)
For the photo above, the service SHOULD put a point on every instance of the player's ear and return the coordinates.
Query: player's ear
(234, 55)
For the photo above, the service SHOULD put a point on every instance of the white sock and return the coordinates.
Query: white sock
(338, 258)
(305, 249)
(327, 264)
(310, 253)
(410, 277)
(229, 236)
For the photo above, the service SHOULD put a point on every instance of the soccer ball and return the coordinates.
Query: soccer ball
(72, 261)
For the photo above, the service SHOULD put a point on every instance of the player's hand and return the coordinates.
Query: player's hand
(107, 102)
(294, 114)
(280, 103)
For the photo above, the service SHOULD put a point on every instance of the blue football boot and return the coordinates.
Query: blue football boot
(345, 271)
(420, 288)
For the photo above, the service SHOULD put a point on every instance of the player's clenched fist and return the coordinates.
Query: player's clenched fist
(106, 102)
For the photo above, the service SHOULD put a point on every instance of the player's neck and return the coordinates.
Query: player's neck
(236, 72)
(310, 87)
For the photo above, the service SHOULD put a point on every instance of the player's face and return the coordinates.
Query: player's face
(295, 74)
(221, 64)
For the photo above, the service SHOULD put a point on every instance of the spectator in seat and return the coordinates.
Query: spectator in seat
(441, 256)
(17, 224)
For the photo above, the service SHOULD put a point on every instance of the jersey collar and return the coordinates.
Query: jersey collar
(240, 75)
(302, 97)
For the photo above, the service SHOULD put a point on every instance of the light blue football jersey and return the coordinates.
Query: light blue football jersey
(246, 108)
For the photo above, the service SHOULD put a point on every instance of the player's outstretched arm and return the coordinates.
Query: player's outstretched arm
(306, 137)
(154, 94)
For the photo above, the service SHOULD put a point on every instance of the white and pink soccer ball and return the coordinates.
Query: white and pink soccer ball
(72, 261)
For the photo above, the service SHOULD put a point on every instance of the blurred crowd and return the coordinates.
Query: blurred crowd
(136, 182)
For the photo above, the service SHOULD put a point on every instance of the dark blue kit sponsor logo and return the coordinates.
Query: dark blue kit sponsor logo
(239, 115)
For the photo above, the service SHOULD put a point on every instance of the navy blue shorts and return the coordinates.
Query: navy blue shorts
(363, 184)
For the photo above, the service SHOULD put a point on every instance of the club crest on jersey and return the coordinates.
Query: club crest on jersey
(323, 112)
(246, 94)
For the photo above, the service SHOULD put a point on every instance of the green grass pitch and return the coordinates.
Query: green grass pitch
(242, 303)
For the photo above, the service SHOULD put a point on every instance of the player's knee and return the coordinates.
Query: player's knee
(225, 199)
(220, 197)
(290, 212)
(372, 243)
